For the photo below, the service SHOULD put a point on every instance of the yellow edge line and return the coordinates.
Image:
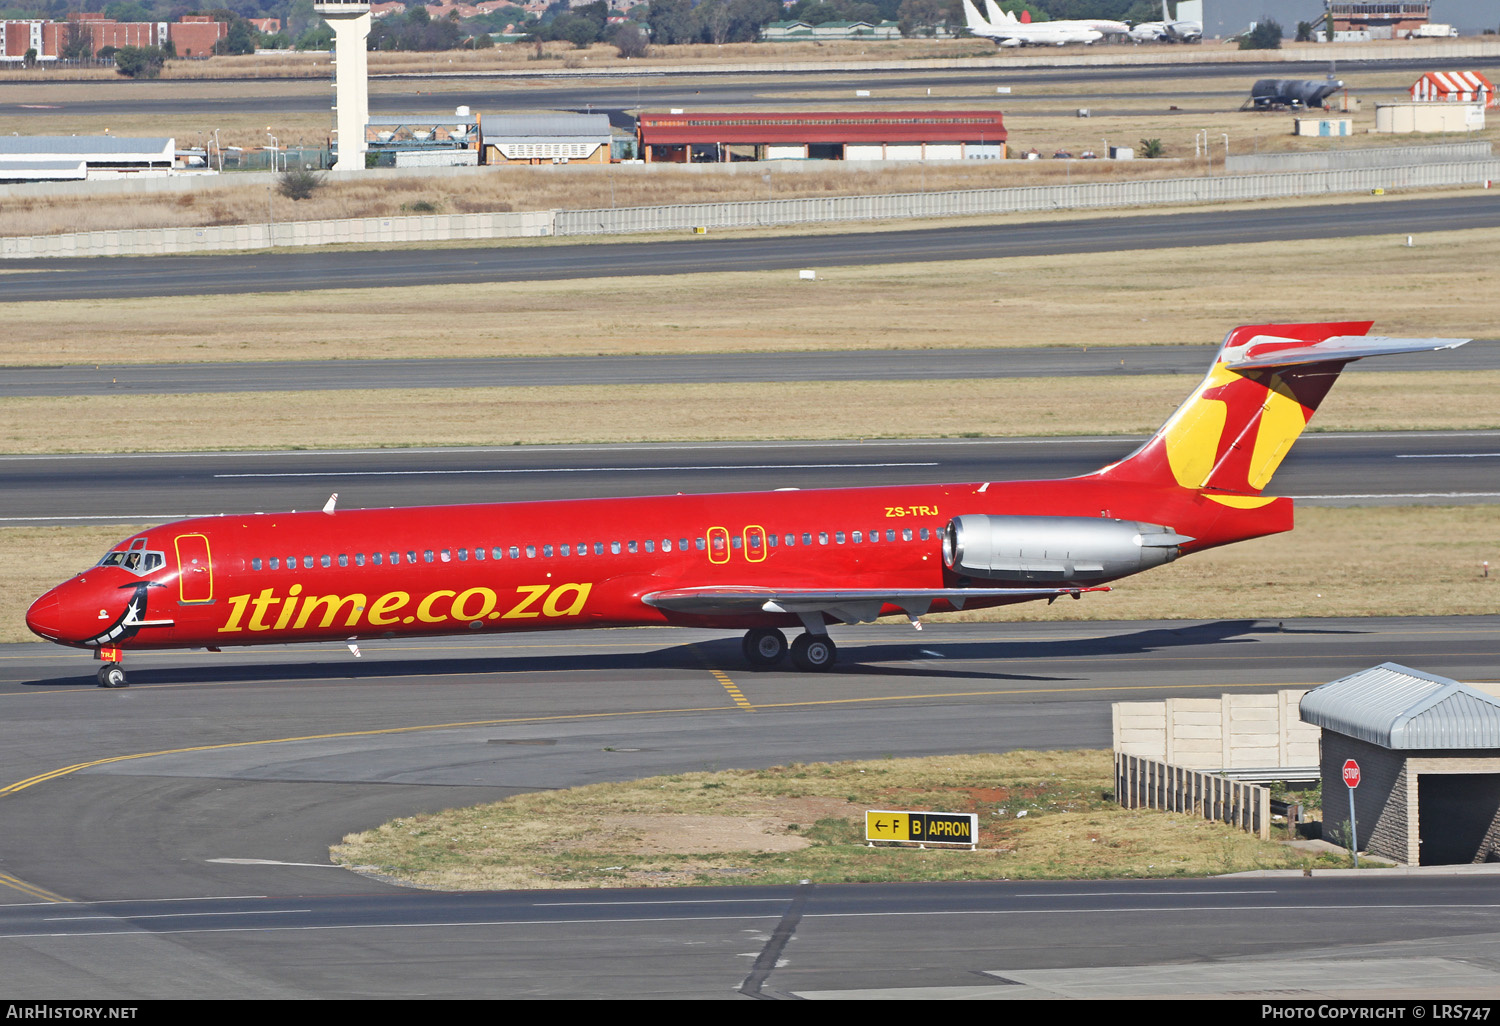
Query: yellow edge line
(32, 890)
(63, 771)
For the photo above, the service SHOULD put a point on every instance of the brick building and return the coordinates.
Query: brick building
(192, 35)
(1428, 752)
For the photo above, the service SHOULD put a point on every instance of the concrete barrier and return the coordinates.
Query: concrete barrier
(755, 213)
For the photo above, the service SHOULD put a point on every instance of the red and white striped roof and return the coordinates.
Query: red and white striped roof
(1455, 86)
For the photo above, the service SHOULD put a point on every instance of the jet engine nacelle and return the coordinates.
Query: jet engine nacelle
(1020, 548)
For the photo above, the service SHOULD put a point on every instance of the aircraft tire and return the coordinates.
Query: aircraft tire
(112, 675)
(814, 652)
(764, 647)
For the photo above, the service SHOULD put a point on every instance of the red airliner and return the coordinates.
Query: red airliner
(758, 561)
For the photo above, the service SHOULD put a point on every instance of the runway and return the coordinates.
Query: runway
(202, 870)
(550, 260)
(625, 89)
(637, 369)
(1355, 469)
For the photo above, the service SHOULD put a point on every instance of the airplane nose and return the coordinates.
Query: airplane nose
(45, 617)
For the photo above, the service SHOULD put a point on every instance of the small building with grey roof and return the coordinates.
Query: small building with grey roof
(32, 158)
(1428, 751)
(546, 139)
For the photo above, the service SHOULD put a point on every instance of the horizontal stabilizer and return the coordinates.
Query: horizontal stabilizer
(852, 605)
(1264, 352)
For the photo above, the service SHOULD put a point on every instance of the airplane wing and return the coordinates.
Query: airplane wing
(850, 605)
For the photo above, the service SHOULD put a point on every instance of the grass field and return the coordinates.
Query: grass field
(1042, 815)
(1431, 400)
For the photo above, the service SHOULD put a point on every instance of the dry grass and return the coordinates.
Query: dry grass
(1374, 561)
(806, 822)
(512, 188)
(1445, 285)
(700, 412)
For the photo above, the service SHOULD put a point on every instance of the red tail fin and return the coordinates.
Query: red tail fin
(1267, 380)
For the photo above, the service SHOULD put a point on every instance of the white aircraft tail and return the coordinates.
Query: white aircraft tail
(973, 20)
(996, 15)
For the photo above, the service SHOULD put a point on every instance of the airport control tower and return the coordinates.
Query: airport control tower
(350, 21)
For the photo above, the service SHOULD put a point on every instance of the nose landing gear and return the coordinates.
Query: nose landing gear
(111, 674)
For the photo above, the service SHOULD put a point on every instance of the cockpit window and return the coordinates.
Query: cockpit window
(137, 559)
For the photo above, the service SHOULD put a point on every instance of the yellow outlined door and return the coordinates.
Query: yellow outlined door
(195, 578)
(718, 544)
(755, 543)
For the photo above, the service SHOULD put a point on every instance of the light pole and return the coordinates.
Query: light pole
(275, 148)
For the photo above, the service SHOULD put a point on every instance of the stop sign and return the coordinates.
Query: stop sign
(1351, 773)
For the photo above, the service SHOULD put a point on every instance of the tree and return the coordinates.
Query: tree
(1151, 148)
(1304, 31)
(139, 61)
(78, 44)
(630, 39)
(298, 183)
(1266, 35)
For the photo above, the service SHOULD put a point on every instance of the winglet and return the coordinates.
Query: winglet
(332, 502)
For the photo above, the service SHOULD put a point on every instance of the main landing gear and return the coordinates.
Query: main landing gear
(764, 647)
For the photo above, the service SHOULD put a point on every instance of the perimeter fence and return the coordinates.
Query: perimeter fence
(756, 213)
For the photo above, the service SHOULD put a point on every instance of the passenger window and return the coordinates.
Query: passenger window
(375, 558)
(838, 536)
(255, 564)
(650, 545)
(446, 555)
(666, 544)
(682, 544)
(547, 551)
(411, 557)
(631, 547)
(925, 535)
(565, 550)
(614, 547)
(427, 555)
(718, 543)
(822, 537)
(497, 552)
(698, 544)
(890, 535)
(359, 559)
(770, 540)
(736, 542)
(307, 562)
(807, 538)
(531, 552)
(343, 559)
(859, 537)
(906, 534)
(598, 548)
(275, 562)
(515, 552)
(479, 555)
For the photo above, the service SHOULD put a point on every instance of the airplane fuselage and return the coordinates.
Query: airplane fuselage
(365, 573)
